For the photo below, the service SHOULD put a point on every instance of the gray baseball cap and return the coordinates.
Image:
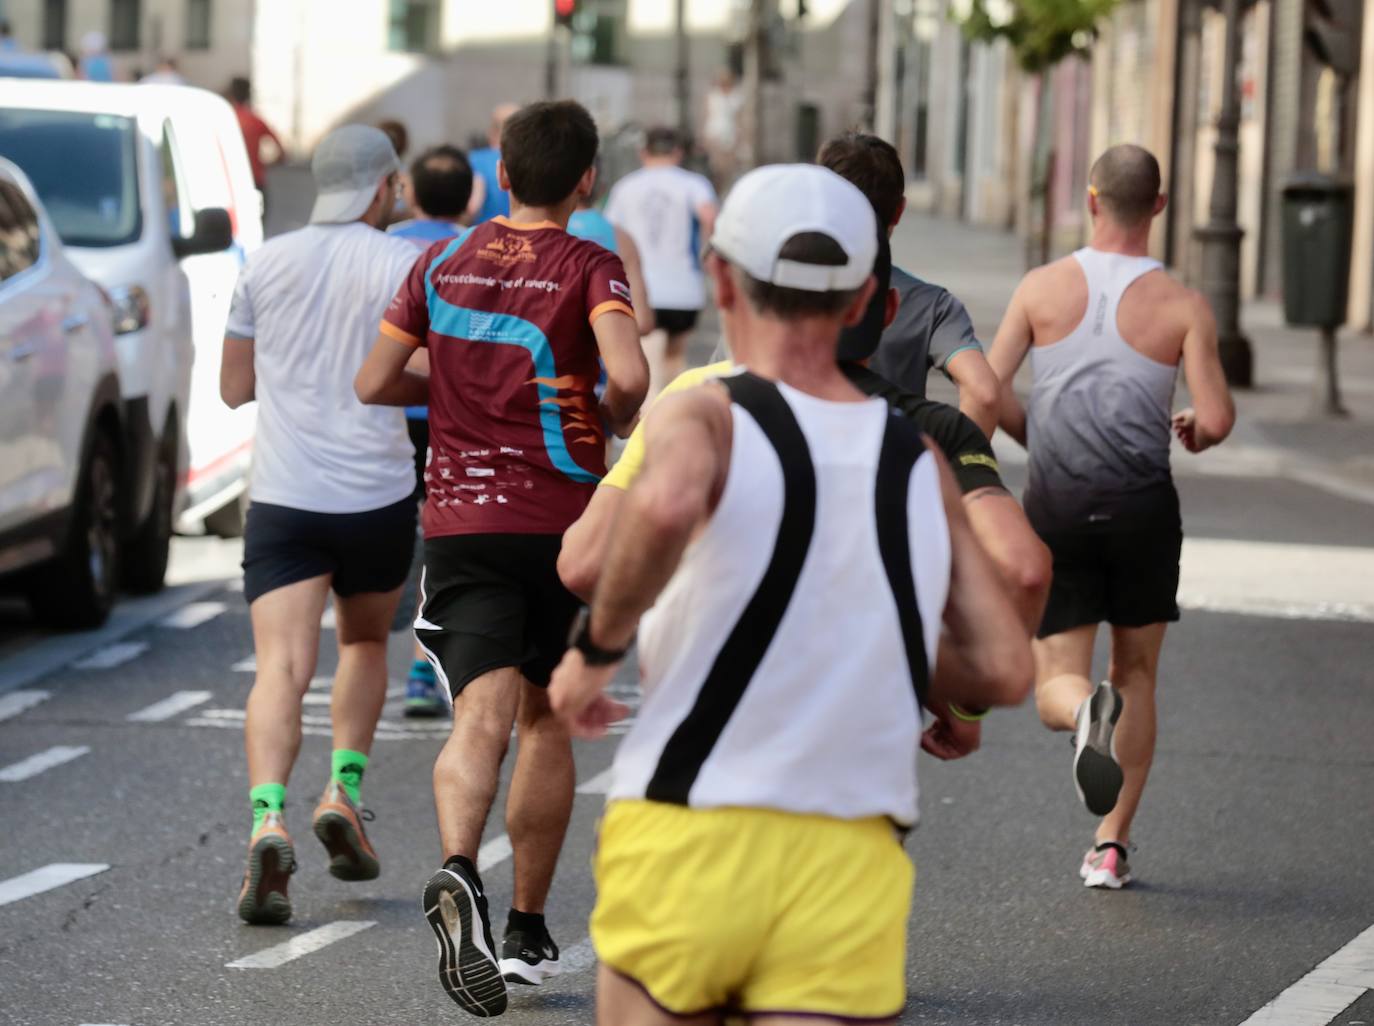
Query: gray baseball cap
(349, 163)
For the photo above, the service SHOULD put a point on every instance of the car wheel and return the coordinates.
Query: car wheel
(144, 562)
(227, 521)
(77, 589)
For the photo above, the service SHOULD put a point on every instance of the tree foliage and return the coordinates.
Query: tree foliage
(1041, 32)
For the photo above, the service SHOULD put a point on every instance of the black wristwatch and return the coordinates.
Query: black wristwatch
(580, 638)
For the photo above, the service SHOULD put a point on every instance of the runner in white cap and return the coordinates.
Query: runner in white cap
(332, 491)
(750, 860)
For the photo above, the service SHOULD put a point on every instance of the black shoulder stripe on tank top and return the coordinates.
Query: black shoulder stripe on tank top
(902, 447)
(739, 658)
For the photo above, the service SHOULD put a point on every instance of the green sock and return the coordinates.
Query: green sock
(348, 771)
(266, 798)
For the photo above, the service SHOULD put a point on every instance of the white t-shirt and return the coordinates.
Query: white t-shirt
(312, 300)
(658, 207)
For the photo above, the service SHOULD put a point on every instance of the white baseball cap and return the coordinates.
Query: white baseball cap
(770, 205)
(348, 165)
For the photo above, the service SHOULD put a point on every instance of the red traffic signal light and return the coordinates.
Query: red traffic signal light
(563, 11)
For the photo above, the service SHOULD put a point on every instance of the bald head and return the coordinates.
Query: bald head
(1126, 182)
(499, 116)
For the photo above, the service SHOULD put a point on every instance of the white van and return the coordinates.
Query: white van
(150, 189)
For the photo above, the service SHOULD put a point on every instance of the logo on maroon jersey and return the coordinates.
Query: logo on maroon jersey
(622, 290)
(508, 250)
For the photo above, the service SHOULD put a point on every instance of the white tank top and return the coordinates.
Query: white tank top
(784, 663)
(1097, 421)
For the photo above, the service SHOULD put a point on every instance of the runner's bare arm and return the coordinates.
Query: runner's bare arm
(237, 379)
(979, 388)
(1213, 413)
(1022, 559)
(384, 379)
(987, 659)
(1008, 351)
(477, 199)
(634, 271)
(627, 371)
(584, 543)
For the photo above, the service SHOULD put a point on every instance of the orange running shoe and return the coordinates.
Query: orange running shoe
(271, 861)
(339, 826)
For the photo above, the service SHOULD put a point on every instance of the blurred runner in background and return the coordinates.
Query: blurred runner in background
(489, 199)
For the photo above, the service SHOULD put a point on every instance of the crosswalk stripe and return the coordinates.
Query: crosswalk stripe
(494, 852)
(46, 878)
(170, 706)
(15, 702)
(248, 664)
(1320, 996)
(310, 941)
(194, 614)
(41, 761)
(110, 656)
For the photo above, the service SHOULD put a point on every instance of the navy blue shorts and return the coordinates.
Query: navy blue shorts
(365, 552)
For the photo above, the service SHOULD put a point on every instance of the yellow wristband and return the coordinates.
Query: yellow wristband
(968, 717)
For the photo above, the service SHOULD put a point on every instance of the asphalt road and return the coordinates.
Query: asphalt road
(1253, 858)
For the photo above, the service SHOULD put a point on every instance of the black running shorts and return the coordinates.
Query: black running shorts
(676, 322)
(366, 552)
(494, 600)
(1127, 578)
(418, 428)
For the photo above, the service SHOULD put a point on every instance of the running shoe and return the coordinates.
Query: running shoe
(271, 861)
(1105, 866)
(339, 826)
(423, 698)
(456, 910)
(1096, 773)
(528, 958)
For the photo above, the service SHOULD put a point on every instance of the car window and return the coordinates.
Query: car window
(84, 168)
(19, 233)
(180, 216)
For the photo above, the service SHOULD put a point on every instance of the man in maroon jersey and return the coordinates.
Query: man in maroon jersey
(514, 314)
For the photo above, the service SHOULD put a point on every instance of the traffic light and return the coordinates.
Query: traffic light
(1331, 29)
(563, 11)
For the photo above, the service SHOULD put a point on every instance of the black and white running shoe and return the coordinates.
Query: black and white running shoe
(528, 958)
(1096, 773)
(456, 910)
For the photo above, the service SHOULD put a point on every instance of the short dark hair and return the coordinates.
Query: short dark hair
(1126, 181)
(662, 140)
(240, 89)
(872, 164)
(547, 147)
(397, 133)
(441, 180)
(792, 304)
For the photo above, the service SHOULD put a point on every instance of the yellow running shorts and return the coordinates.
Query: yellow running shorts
(753, 910)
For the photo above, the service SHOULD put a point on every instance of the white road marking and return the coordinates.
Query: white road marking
(1318, 582)
(110, 656)
(194, 614)
(15, 702)
(173, 705)
(47, 878)
(494, 852)
(249, 664)
(599, 784)
(1325, 992)
(328, 621)
(310, 941)
(38, 763)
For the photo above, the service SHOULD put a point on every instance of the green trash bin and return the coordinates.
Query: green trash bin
(1318, 212)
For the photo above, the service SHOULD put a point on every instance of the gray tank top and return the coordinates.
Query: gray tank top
(1098, 417)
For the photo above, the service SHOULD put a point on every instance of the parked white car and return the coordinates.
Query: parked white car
(62, 440)
(150, 188)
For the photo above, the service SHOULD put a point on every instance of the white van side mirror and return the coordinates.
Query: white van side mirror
(214, 232)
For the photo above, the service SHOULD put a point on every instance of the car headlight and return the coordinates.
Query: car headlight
(131, 309)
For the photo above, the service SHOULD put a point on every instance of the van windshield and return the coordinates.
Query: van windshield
(84, 168)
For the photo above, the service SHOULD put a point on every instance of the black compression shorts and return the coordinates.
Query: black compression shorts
(1124, 577)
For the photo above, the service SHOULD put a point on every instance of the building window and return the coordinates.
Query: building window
(126, 18)
(54, 24)
(197, 24)
(598, 31)
(414, 26)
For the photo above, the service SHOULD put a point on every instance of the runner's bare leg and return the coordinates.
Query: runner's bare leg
(363, 622)
(468, 769)
(1063, 663)
(541, 798)
(1134, 670)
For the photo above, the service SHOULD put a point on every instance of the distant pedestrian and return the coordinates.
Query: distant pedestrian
(720, 130)
(255, 131)
(1106, 330)
(489, 198)
(96, 64)
(333, 505)
(439, 184)
(514, 315)
(932, 330)
(669, 212)
(166, 73)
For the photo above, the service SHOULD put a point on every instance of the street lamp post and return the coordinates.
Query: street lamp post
(1219, 239)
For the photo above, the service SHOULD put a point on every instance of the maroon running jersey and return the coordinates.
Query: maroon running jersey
(516, 444)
